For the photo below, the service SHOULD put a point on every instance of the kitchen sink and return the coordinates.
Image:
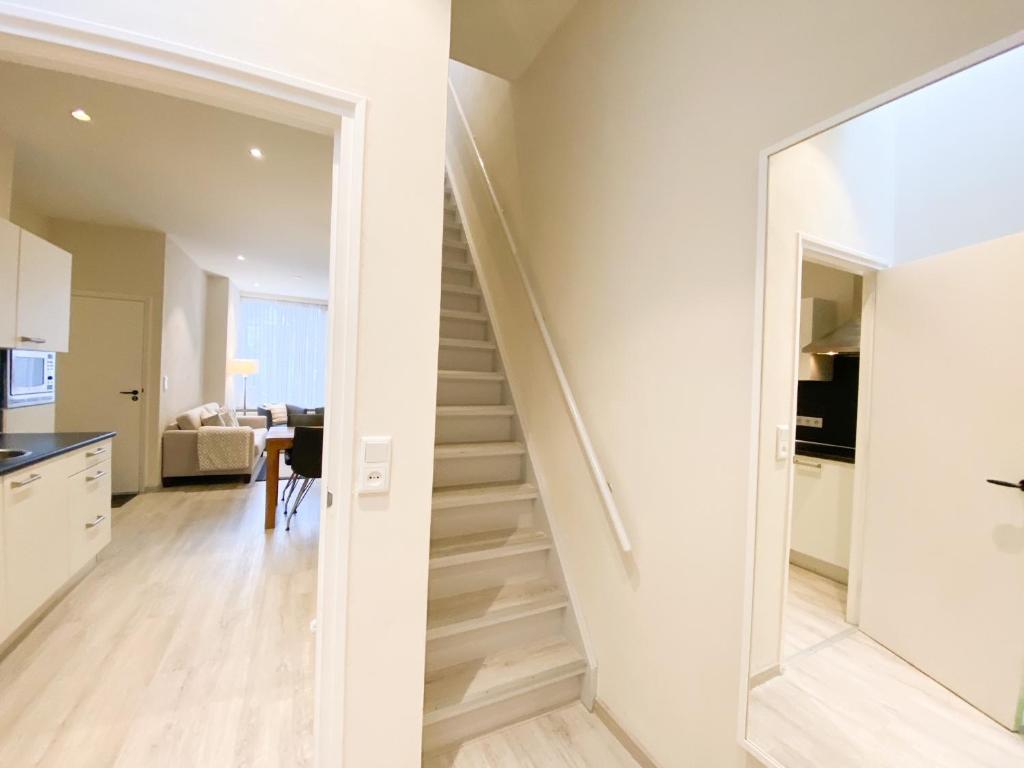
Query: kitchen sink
(12, 453)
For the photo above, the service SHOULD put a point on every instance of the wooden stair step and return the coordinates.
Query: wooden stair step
(462, 290)
(470, 411)
(478, 450)
(467, 267)
(491, 545)
(452, 343)
(446, 375)
(461, 314)
(454, 691)
(452, 498)
(447, 616)
(457, 245)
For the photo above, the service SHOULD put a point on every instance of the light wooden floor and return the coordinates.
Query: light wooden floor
(569, 737)
(815, 611)
(847, 702)
(188, 645)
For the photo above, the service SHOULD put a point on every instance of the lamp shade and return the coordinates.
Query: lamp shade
(243, 366)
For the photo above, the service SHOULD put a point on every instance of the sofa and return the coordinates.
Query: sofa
(181, 441)
(297, 416)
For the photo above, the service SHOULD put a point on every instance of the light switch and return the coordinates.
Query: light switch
(376, 450)
(374, 465)
(782, 450)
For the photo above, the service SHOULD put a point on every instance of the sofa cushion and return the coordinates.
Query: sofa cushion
(213, 420)
(192, 418)
(228, 417)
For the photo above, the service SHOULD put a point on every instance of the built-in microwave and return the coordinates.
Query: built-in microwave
(29, 377)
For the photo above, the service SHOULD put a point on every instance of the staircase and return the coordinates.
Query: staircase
(502, 638)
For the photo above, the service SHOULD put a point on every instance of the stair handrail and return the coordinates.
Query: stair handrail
(603, 487)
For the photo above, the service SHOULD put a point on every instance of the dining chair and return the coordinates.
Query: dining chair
(307, 467)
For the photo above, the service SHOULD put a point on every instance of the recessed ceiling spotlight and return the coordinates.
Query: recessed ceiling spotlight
(81, 115)
(240, 257)
(256, 152)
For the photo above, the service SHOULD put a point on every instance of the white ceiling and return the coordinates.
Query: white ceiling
(503, 37)
(156, 162)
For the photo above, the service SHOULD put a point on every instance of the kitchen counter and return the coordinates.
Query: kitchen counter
(44, 445)
(842, 453)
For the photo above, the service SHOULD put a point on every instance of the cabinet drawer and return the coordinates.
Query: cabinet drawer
(87, 457)
(36, 538)
(89, 511)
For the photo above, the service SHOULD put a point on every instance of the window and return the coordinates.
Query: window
(289, 338)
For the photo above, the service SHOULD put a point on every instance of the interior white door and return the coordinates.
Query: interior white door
(105, 361)
(944, 550)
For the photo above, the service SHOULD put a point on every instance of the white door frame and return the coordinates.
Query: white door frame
(960, 64)
(147, 326)
(829, 254)
(59, 42)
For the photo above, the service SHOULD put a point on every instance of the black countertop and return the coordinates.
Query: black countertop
(44, 445)
(842, 453)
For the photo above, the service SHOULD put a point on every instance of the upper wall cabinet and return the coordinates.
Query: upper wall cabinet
(43, 302)
(10, 237)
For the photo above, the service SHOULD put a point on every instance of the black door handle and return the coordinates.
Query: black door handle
(133, 392)
(1007, 484)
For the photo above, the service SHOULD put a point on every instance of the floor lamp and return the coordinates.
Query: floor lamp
(244, 367)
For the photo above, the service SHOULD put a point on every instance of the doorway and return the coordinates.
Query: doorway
(920, 663)
(100, 381)
(109, 54)
(830, 393)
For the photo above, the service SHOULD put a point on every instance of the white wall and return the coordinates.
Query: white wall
(960, 160)
(394, 53)
(220, 342)
(127, 262)
(637, 135)
(184, 326)
(6, 175)
(487, 102)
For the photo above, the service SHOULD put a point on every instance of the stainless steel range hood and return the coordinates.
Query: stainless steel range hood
(844, 340)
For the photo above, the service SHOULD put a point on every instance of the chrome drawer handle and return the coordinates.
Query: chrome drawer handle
(802, 463)
(97, 476)
(23, 483)
(97, 452)
(33, 339)
(99, 519)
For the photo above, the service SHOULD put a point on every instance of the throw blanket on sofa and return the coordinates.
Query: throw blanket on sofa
(224, 448)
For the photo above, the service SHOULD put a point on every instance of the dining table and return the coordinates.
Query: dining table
(279, 438)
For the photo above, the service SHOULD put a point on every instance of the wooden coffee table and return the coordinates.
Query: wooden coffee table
(278, 439)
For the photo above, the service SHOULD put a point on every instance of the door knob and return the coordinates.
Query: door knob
(1007, 484)
(133, 392)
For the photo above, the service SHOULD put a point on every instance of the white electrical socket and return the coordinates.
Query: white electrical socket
(374, 464)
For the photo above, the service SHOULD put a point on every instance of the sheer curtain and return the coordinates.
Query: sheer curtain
(289, 338)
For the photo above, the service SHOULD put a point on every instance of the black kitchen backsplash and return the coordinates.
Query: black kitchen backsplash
(834, 401)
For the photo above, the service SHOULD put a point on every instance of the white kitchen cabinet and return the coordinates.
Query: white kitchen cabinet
(37, 538)
(54, 519)
(89, 513)
(822, 510)
(10, 240)
(44, 295)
